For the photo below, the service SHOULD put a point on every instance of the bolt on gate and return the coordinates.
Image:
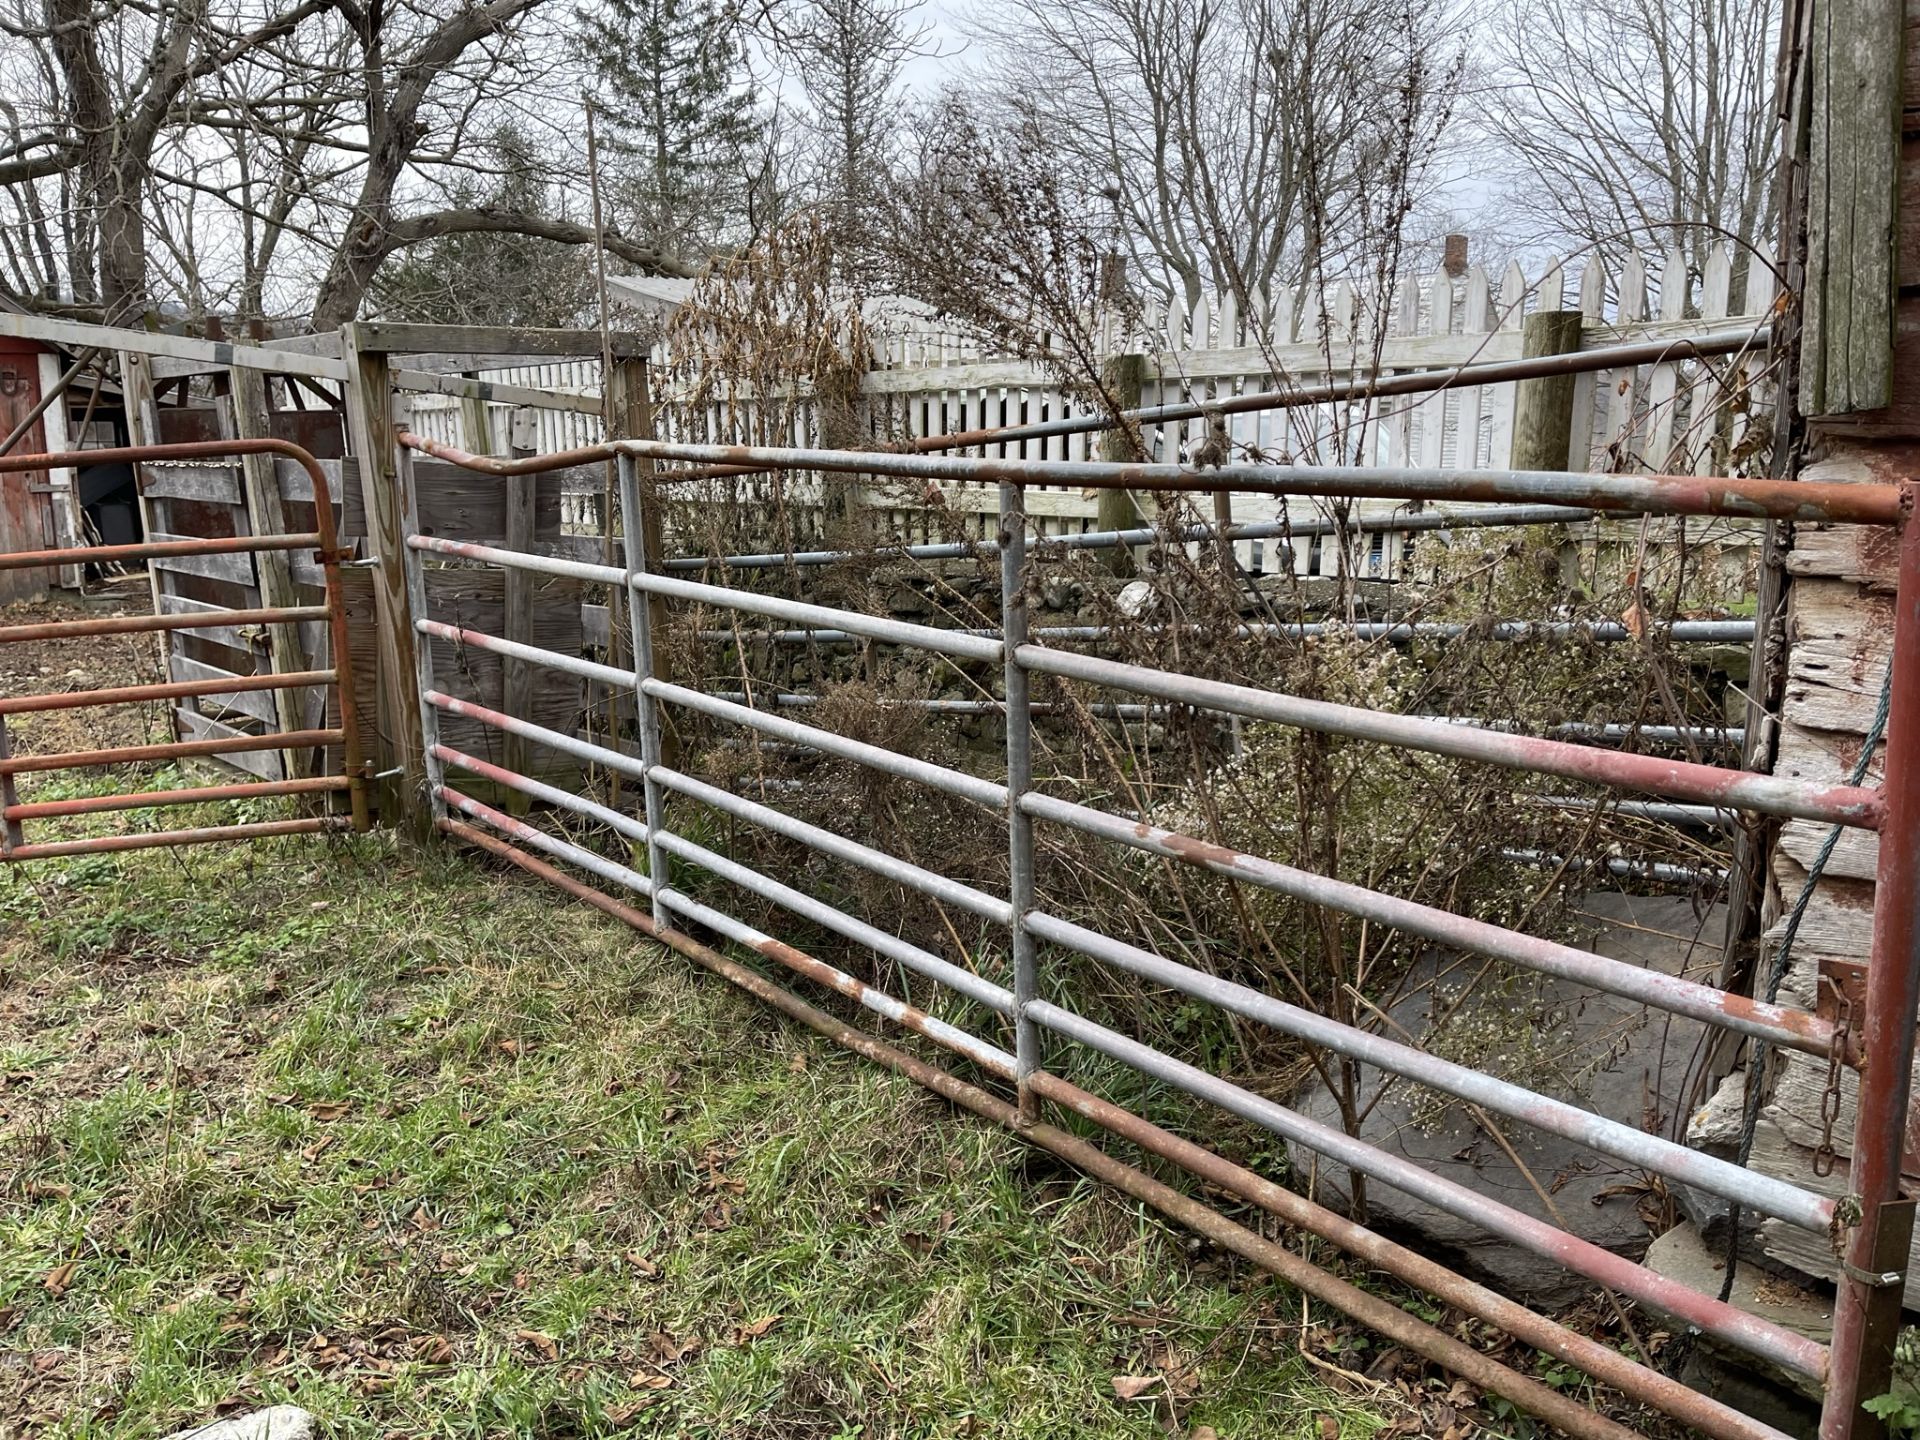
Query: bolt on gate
(1872, 1226)
(323, 541)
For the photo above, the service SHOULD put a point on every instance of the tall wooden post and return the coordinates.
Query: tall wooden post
(1543, 408)
(398, 740)
(247, 418)
(1123, 377)
(1852, 113)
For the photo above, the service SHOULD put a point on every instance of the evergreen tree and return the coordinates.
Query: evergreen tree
(688, 144)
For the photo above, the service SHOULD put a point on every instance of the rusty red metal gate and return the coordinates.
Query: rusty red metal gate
(350, 782)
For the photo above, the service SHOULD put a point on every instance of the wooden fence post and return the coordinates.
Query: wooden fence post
(398, 739)
(1123, 377)
(1543, 408)
(246, 418)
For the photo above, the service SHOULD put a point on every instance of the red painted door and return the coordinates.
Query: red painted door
(24, 514)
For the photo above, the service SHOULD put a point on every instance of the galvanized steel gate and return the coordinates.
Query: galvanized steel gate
(322, 540)
(1873, 1224)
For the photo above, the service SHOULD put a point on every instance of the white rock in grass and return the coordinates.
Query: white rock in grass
(276, 1422)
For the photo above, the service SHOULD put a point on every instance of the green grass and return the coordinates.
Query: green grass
(434, 1152)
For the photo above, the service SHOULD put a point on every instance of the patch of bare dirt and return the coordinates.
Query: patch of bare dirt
(82, 662)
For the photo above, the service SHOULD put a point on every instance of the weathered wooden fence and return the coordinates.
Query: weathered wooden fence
(1683, 415)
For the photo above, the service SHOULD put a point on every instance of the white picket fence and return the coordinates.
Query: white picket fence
(1677, 416)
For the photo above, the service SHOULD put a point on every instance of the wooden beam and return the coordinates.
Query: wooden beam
(466, 387)
(398, 739)
(1853, 121)
(1543, 408)
(398, 338)
(1124, 377)
(206, 354)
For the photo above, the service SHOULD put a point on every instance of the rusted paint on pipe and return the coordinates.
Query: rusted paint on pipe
(1633, 494)
(1867, 1314)
(150, 799)
(140, 624)
(173, 690)
(1378, 1314)
(1602, 1362)
(173, 750)
(327, 543)
(1709, 784)
(159, 839)
(1799, 1029)
(155, 549)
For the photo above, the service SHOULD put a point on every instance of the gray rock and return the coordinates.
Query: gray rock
(276, 1422)
(1603, 1053)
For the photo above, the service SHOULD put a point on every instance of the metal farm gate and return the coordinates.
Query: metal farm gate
(324, 546)
(1871, 1225)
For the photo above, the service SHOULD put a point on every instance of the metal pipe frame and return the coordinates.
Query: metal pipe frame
(171, 750)
(159, 839)
(1863, 1333)
(1305, 528)
(1840, 503)
(1782, 1025)
(1663, 734)
(1836, 805)
(153, 799)
(172, 690)
(1707, 632)
(140, 624)
(323, 539)
(633, 549)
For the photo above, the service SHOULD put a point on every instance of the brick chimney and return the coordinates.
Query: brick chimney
(1454, 260)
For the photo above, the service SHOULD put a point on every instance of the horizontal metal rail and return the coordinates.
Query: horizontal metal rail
(1836, 804)
(1773, 1342)
(875, 627)
(140, 624)
(1629, 494)
(1571, 730)
(1773, 1197)
(160, 839)
(171, 750)
(171, 690)
(1596, 1132)
(156, 550)
(989, 793)
(889, 867)
(1796, 1029)
(154, 799)
(1304, 528)
(1713, 632)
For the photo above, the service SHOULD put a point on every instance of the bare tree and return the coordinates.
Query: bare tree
(1621, 121)
(209, 152)
(1230, 136)
(847, 56)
